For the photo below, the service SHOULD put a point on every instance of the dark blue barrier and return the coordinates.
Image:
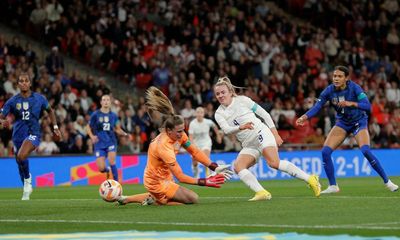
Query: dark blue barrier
(82, 170)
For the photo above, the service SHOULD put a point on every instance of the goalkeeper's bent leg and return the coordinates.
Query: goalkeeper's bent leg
(137, 198)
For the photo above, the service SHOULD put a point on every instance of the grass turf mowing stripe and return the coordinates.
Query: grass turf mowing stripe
(364, 200)
(349, 226)
(185, 235)
(228, 197)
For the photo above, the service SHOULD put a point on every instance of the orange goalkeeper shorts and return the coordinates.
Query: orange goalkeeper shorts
(162, 192)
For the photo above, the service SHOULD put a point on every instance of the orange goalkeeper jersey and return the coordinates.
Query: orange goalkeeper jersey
(161, 160)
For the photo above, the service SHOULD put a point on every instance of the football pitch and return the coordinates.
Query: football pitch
(363, 207)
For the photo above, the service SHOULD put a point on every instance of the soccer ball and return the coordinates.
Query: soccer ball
(110, 190)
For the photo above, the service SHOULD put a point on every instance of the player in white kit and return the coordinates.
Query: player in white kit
(199, 134)
(237, 115)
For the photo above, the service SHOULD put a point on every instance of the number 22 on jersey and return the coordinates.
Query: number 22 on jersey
(106, 126)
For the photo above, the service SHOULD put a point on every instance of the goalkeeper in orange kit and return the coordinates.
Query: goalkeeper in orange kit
(161, 162)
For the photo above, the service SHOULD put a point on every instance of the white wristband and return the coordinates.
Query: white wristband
(55, 126)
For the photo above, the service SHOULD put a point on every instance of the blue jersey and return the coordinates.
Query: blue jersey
(27, 112)
(353, 93)
(103, 125)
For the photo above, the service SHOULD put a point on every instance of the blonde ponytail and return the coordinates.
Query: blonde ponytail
(157, 101)
(160, 109)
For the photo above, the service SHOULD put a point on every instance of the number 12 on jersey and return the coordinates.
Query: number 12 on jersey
(25, 115)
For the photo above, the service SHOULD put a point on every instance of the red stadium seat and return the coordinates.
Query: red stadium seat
(382, 118)
(143, 80)
(285, 134)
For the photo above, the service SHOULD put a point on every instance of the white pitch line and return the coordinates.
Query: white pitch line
(382, 223)
(326, 196)
(205, 224)
(227, 197)
(57, 199)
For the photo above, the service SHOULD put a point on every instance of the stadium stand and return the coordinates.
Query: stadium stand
(182, 47)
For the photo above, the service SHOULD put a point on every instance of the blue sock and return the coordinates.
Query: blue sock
(114, 171)
(21, 172)
(328, 164)
(374, 162)
(25, 168)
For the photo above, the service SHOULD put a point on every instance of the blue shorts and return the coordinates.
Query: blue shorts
(34, 139)
(354, 127)
(102, 152)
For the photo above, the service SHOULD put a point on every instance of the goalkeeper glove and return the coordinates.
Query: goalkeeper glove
(213, 181)
(222, 169)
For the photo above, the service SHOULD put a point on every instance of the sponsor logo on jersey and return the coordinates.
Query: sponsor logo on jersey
(18, 106)
(101, 119)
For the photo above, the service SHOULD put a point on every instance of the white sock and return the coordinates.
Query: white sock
(292, 170)
(250, 180)
(28, 183)
(28, 180)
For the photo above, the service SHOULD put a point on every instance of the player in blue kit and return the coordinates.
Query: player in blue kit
(101, 129)
(351, 105)
(27, 108)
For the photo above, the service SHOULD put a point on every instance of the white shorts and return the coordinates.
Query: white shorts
(262, 138)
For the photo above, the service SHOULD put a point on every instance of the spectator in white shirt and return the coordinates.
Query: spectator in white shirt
(10, 86)
(85, 101)
(188, 112)
(54, 10)
(392, 93)
(80, 125)
(47, 146)
(174, 49)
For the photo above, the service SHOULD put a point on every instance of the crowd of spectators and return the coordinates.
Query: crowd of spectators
(183, 46)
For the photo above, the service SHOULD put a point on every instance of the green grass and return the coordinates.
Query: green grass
(363, 207)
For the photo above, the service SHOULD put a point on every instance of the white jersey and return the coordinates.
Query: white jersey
(243, 110)
(201, 133)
